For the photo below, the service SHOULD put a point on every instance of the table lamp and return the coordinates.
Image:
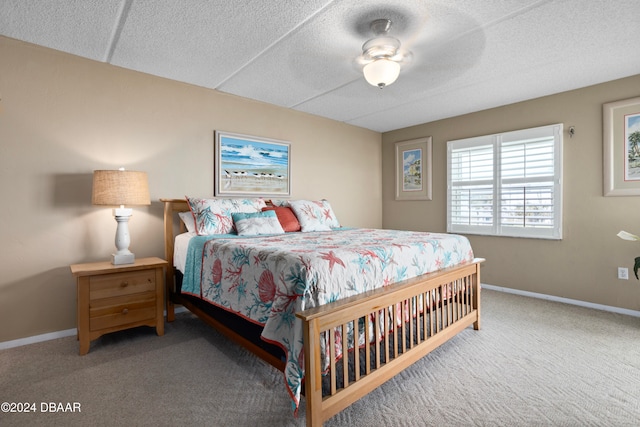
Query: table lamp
(120, 188)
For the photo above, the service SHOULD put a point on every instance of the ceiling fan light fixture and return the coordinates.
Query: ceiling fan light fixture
(381, 72)
(382, 55)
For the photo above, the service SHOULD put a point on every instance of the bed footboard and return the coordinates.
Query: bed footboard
(437, 305)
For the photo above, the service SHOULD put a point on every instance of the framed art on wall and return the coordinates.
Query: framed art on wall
(621, 145)
(413, 169)
(251, 166)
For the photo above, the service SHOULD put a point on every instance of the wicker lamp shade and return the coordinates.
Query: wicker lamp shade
(120, 187)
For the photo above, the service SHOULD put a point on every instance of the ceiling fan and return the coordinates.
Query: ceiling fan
(382, 55)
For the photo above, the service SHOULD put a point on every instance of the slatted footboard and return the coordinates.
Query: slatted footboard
(402, 322)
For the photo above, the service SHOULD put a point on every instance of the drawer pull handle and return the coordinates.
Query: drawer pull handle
(124, 284)
(125, 311)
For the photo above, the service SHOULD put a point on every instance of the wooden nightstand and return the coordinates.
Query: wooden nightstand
(116, 297)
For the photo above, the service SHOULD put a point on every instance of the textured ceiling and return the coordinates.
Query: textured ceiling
(468, 55)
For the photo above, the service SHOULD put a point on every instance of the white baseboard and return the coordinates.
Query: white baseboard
(38, 338)
(602, 307)
(53, 335)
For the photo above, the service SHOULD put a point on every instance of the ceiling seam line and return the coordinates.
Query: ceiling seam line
(508, 16)
(503, 18)
(284, 36)
(297, 104)
(123, 13)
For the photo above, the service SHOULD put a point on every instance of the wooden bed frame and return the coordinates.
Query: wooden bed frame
(440, 304)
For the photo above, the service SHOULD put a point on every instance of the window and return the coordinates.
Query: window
(508, 184)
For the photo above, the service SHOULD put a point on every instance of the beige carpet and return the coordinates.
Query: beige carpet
(534, 363)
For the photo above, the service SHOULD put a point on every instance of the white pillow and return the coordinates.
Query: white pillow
(314, 215)
(189, 222)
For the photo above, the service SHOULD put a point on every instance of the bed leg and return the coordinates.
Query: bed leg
(169, 305)
(313, 381)
(169, 278)
(171, 315)
(476, 297)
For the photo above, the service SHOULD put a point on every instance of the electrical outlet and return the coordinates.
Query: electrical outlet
(623, 273)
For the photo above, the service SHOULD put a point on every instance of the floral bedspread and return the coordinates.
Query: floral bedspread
(267, 279)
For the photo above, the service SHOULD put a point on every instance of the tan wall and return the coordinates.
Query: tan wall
(583, 265)
(61, 117)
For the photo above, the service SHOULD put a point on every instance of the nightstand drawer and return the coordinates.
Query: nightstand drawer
(118, 284)
(116, 311)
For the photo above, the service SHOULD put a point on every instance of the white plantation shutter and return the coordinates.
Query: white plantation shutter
(506, 184)
(471, 194)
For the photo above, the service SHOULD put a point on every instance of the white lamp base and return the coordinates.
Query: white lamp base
(123, 255)
(117, 259)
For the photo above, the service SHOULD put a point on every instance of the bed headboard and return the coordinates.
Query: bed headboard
(172, 226)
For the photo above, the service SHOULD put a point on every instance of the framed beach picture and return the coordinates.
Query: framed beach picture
(251, 166)
(413, 169)
(621, 143)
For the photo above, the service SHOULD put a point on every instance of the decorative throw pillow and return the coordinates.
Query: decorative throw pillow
(257, 223)
(187, 219)
(314, 215)
(279, 202)
(213, 216)
(287, 218)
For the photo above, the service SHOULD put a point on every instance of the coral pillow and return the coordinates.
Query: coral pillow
(287, 218)
(213, 216)
(314, 215)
